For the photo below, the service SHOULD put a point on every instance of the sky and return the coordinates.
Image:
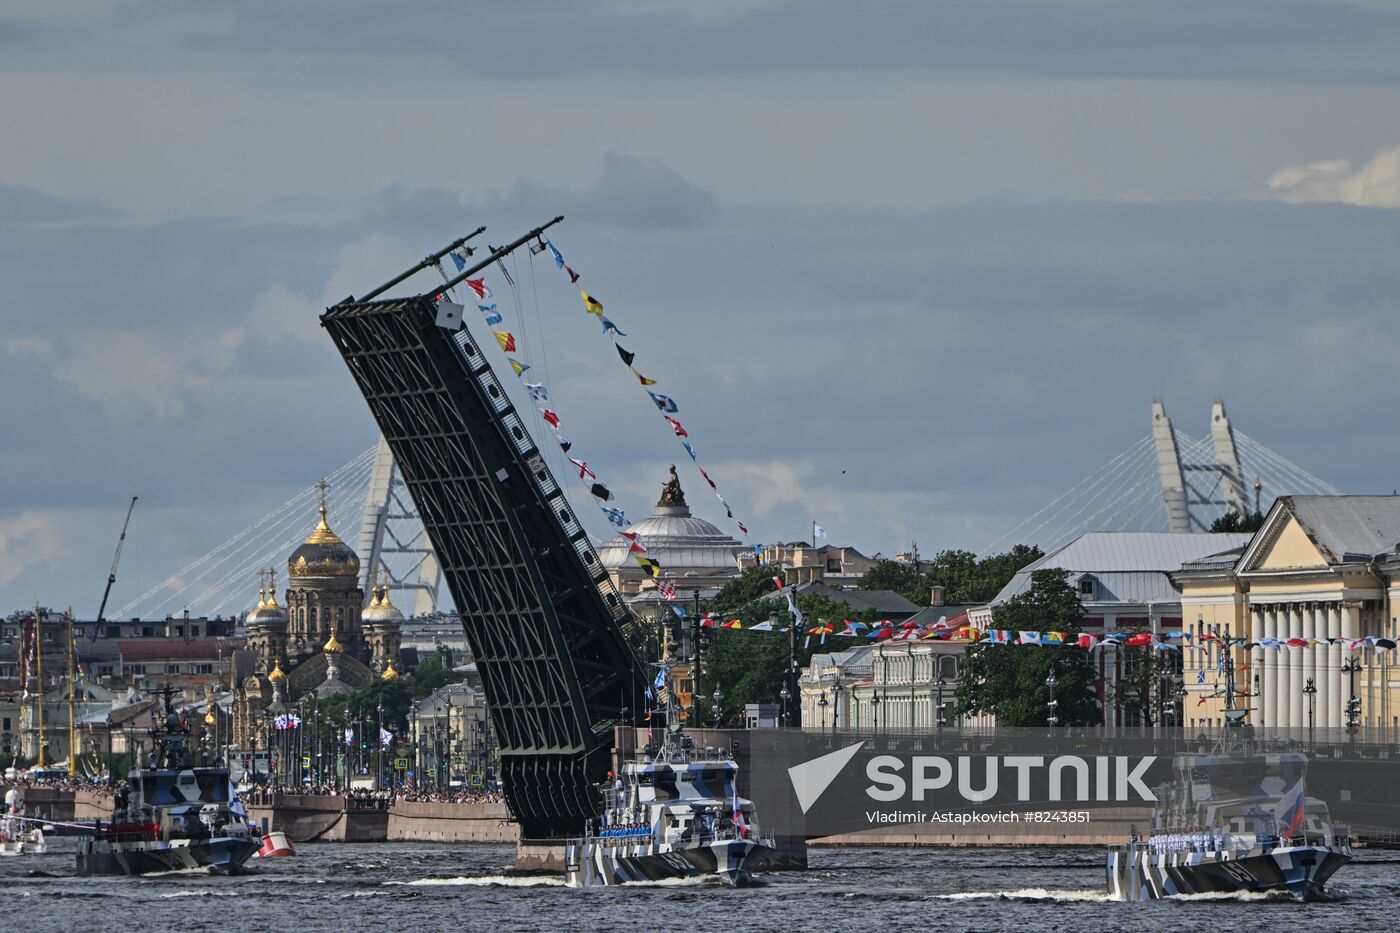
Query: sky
(910, 270)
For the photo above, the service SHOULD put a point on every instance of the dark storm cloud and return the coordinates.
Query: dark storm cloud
(1197, 38)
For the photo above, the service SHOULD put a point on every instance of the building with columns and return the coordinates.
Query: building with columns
(1321, 573)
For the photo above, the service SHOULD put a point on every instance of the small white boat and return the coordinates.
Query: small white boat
(17, 839)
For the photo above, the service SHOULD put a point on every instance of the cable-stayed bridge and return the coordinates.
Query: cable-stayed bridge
(1166, 481)
(1169, 481)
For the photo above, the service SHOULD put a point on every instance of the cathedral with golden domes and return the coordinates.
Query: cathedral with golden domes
(323, 642)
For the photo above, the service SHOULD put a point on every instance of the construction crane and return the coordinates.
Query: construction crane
(112, 575)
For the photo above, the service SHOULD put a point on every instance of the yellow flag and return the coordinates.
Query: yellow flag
(653, 568)
(506, 339)
(590, 304)
(643, 379)
(518, 366)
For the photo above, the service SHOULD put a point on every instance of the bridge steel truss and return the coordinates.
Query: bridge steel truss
(540, 614)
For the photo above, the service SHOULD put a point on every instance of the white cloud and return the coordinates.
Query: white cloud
(27, 540)
(1335, 181)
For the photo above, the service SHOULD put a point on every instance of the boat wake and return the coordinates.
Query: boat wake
(502, 881)
(1025, 894)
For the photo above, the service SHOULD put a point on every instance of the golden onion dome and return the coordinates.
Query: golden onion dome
(380, 610)
(323, 554)
(332, 646)
(276, 674)
(209, 717)
(267, 611)
(389, 673)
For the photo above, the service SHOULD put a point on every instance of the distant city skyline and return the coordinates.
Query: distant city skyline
(907, 272)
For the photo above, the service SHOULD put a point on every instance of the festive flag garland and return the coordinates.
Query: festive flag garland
(540, 395)
(664, 403)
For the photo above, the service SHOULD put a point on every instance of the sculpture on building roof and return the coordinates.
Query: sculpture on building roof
(671, 493)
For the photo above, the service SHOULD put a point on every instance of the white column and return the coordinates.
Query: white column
(1328, 660)
(1256, 664)
(1309, 660)
(1296, 716)
(1271, 669)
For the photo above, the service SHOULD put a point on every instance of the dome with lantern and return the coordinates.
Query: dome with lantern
(323, 554)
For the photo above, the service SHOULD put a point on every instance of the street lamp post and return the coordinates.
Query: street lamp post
(875, 707)
(1350, 667)
(719, 709)
(822, 704)
(1310, 691)
(783, 702)
(379, 747)
(836, 692)
(941, 706)
(1052, 705)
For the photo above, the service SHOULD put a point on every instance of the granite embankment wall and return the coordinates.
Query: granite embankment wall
(342, 819)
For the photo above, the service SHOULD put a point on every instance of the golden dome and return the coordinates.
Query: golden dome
(323, 554)
(332, 646)
(389, 673)
(380, 610)
(209, 717)
(276, 673)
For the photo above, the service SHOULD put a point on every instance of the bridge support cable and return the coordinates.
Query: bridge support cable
(1124, 477)
(1305, 480)
(1065, 499)
(215, 560)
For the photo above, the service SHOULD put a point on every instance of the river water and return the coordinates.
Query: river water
(428, 887)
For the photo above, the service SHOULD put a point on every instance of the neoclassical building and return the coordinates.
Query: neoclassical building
(1322, 572)
(693, 553)
(324, 642)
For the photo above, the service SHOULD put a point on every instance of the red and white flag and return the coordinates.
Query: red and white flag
(667, 589)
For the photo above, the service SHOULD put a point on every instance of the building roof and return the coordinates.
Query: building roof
(137, 650)
(679, 540)
(955, 615)
(884, 602)
(1346, 528)
(1130, 565)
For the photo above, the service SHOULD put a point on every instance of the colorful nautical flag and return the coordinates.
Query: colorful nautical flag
(609, 327)
(676, 426)
(616, 517)
(506, 339)
(537, 391)
(489, 311)
(627, 355)
(564, 443)
(732, 623)
(518, 366)
(664, 402)
(652, 567)
(458, 260)
(707, 477)
(590, 304)
(778, 582)
(667, 589)
(643, 379)
(479, 286)
(573, 276)
(583, 469)
(558, 256)
(550, 418)
(599, 491)
(690, 450)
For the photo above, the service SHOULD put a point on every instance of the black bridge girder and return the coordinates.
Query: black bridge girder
(539, 612)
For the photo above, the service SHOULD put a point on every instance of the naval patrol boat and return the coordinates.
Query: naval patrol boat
(174, 816)
(1232, 821)
(674, 812)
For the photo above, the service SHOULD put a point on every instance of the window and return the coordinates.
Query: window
(6, 724)
(136, 669)
(114, 631)
(1086, 586)
(172, 668)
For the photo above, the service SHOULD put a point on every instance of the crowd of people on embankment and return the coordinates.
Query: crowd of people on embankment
(264, 795)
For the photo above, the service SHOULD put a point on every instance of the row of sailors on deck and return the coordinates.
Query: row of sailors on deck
(625, 830)
(1198, 840)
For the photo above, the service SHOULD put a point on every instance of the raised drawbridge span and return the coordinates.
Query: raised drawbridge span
(539, 612)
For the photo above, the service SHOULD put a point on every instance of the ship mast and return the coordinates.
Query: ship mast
(72, 686)
(39, 672)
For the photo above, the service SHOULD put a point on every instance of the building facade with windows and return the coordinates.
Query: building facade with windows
(1322, 574)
